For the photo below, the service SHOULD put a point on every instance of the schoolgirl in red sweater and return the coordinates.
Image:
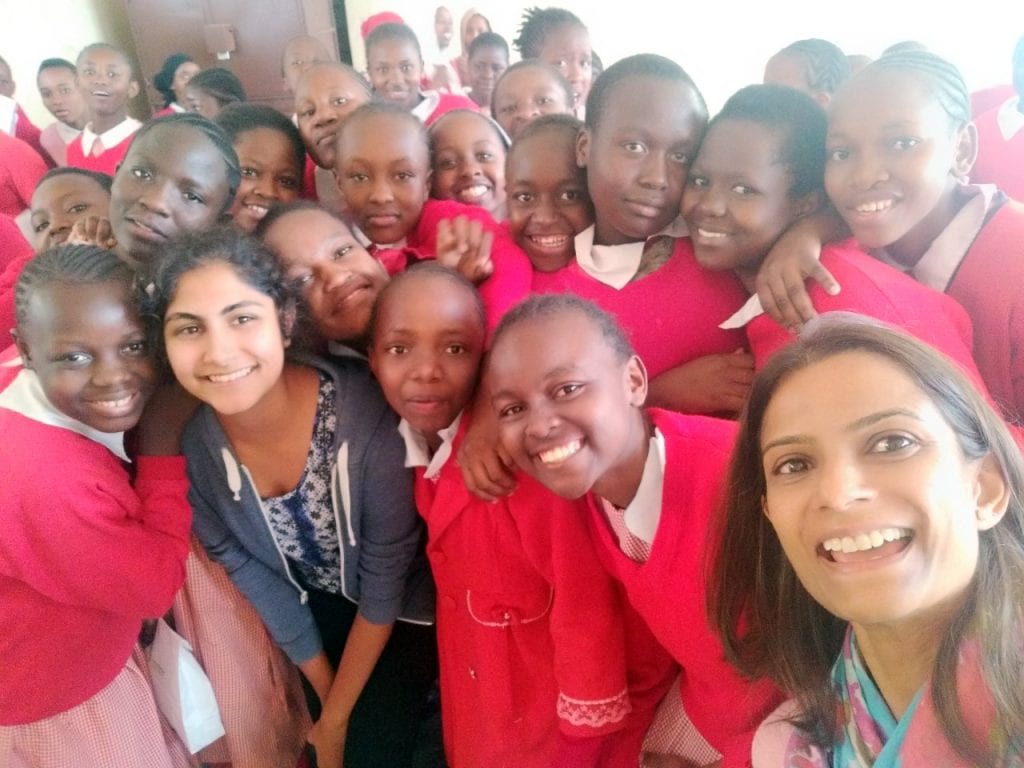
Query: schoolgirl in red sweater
(568, 392)
(87, 552)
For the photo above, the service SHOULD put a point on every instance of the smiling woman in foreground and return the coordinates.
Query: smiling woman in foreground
(878, 497)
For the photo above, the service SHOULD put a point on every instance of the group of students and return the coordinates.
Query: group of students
(474, 424)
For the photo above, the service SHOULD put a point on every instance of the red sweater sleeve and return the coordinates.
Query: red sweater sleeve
(512, 278)
(81, 535)
(22, 169)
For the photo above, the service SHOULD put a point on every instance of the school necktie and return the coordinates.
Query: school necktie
(657, 250)
(632, 546)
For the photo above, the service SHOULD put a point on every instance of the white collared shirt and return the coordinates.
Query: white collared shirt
(111, 137)
(1009, 118)
(417, 452)
(8, 114)
(25, 396)
(426, 107)
(616, 265)
(643, 513)
(940, 262)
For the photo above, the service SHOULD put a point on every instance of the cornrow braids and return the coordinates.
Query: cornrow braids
(221, 84)
(535, 26)
(551, 304)
(825, 64)
(942, 77)
(71, 265)
(211, 131)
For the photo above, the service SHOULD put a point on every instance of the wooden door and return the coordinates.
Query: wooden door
(260, 29)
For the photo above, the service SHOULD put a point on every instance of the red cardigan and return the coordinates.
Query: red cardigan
(508, 284)
(84, 557)
(529, 627)
(21, 167)
(999, 162)
(990, 285)
(669, 590)
(877, 290)
(670, 315)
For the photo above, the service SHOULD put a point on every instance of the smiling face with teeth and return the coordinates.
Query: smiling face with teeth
(548, 203)
(895, 160)
(469, 161)
(868, 489)
(87, 345)
(737, 201)
(107, 84)
(569, 406)
(338, 279)
(270, 175)
(224, 339)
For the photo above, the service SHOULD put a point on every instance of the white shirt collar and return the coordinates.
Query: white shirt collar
(942, 259)
(616, 265)
(417, 454)
(25, 396)
(751, 308)
(111, 137)
(8, 114)
(1009, 118)
(644, 512)
(426, 107)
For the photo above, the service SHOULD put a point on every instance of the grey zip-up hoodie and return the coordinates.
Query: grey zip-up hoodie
(382, 566)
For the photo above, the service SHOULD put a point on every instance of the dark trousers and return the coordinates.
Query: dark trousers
(384, 729)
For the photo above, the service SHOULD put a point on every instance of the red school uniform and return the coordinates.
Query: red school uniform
(988, 284)
(877, 290)
(83, 558)
(1000, 160)
(530, 630)
(508, 284)
(669, 589)
(21, 167)
(437, 103)
(111, 156)
(671, 315)
(15, 253)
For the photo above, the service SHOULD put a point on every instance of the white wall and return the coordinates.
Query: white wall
(33, 30)
(724, 44)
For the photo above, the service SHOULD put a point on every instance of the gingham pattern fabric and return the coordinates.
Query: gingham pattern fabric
(257, 688)
(118, 727)
(632, 546)
(673, 733)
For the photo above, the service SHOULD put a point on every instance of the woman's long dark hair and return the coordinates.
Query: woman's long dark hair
(770, 625)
